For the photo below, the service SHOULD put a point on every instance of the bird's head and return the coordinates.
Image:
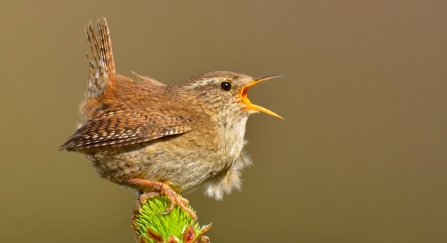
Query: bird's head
(226, 93)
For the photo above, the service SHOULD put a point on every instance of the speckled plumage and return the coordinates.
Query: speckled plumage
(188, 135)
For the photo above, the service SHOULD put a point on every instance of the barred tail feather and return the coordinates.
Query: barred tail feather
(102, 65)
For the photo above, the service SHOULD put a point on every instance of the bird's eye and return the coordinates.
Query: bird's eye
(225, 86)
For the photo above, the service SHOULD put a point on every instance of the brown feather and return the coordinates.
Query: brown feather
(110, 113)
(124, 127)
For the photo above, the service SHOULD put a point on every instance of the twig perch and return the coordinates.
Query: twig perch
(151, 226)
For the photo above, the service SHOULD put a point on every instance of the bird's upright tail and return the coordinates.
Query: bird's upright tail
(102, 65)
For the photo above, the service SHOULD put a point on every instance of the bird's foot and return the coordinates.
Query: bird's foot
(162, 189)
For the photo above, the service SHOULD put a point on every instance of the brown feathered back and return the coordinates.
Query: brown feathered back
(108, 112)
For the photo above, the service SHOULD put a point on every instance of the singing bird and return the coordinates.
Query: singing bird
(163, 139)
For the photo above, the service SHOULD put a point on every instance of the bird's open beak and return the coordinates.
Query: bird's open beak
(247, 102)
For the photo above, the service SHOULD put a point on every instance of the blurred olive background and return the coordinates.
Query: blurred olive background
(360, 157)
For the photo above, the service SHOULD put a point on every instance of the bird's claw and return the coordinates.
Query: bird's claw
(162, 189)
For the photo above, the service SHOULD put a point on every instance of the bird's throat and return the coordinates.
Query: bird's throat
(231, 134)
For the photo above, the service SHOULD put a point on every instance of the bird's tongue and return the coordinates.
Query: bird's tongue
(244, 92)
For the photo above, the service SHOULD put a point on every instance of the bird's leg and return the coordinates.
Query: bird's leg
(162, 189)
(143, 197)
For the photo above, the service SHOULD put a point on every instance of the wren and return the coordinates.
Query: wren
(163, 139)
